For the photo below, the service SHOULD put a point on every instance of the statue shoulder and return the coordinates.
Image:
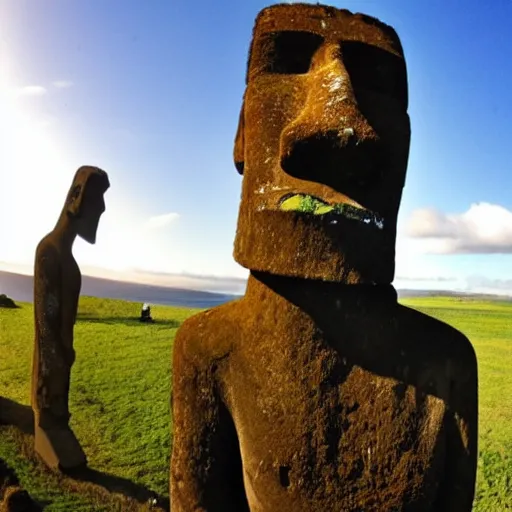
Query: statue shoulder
(442, 338)
(208, 336)
(46, 251)
(47, 263)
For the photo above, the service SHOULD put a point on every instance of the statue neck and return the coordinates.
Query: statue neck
(313, 296)
(64, 231)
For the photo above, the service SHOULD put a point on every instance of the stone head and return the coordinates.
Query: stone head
(85, 202)
(323, 144)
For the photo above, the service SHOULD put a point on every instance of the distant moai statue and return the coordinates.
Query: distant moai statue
(57, 282)
(317, 391)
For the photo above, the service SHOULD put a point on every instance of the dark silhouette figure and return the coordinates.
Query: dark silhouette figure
(57, 282)
(7, 302)
(145, 314)
(317, 391)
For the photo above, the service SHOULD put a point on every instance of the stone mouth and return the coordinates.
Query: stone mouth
(311, 205)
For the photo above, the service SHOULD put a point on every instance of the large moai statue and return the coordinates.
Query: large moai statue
(317, 391)
(57, 282)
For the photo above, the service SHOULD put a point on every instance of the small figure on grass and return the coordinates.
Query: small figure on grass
(145, 314)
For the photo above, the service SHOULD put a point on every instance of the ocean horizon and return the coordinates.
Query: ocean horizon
(20, 288)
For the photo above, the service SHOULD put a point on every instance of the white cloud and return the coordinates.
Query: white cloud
(483, 229)
(161, 221)
(32, 90)
(62, 84)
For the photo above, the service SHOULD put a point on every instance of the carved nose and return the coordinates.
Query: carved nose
(330, 159)
(330, 131)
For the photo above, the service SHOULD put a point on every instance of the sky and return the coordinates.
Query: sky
(150, 91)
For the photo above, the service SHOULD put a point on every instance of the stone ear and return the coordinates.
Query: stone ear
(239, 152)
(75, 199)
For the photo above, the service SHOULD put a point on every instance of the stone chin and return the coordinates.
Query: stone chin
(89, 238)
(321, 247)
(88, 231)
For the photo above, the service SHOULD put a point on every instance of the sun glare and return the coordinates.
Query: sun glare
(34, 176)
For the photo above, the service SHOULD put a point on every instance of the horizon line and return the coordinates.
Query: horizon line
(200, 281)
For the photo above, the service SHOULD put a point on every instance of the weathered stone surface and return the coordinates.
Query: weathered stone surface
(57, 282)
(317, 391)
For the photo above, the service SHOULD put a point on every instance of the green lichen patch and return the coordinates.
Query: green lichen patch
(308, 204)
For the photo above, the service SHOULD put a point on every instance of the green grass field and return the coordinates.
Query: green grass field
(121, 407)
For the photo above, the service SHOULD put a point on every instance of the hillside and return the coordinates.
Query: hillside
(20, 288)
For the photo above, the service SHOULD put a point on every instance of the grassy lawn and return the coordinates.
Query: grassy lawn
(119, 398)
(121, 409)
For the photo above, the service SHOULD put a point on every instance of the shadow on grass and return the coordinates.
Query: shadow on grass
(128, 321)
(17, 415)
(120, 485)
(86, 481)
(12, 496)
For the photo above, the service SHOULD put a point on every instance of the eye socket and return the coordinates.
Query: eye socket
(372, 68)
(290, 52)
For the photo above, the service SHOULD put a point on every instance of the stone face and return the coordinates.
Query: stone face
(317, 391)
(317, 121)
(57, 282)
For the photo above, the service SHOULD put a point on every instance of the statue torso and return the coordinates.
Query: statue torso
(350, 421)
(64, 285)
(70, 293)
(57, 282)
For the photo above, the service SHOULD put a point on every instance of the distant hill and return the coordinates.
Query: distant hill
(449, 293)
(20, 288)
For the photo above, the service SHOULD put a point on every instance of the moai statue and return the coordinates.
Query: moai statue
(57, 282)
(317, 391)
